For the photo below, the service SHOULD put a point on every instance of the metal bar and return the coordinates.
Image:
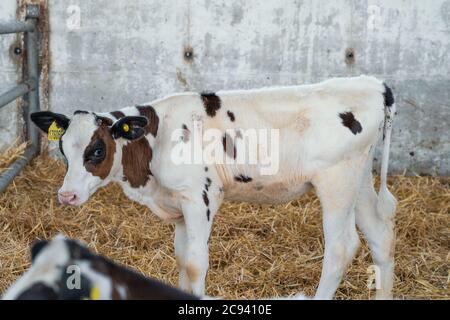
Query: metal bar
(16, 92)
(16, 26)
(15, 168)
(30, 87)
(32, 45)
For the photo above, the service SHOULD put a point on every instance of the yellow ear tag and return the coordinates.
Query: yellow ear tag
(95, 294)
(54, 132)
(125, 127)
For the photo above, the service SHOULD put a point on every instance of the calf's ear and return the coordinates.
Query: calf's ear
(129, 127)
(43, 119)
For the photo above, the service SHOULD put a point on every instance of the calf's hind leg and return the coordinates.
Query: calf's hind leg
(337, 188)
(378, 229)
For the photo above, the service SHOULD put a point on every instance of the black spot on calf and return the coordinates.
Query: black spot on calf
(388, 96)
(208, 214)
(211, 102)
(242, 178)
(207, 184)
(205, 198)
(186, 133)
(228, 146)
(230, 115)
(349, 121)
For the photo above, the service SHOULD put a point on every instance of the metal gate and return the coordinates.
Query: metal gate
(29, 88)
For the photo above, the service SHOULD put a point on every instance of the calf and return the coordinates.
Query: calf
(320, 135)
(64, 269)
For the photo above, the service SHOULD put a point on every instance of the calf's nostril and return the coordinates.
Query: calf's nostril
(73, 198)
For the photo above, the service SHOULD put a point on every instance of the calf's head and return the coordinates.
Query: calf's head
(91, 145)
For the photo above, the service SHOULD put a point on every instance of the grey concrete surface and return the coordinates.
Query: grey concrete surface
(10, 124)
(109, 54)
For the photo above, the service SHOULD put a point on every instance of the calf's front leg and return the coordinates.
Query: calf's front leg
(180, 242)
(191, 240)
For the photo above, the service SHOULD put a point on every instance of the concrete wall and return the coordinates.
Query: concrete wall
(108, 54)
(10, 125)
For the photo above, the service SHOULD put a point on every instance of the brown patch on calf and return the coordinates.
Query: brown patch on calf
(153, 119)
(103, 121)
(118, 114)
(211, 102)
(136, 157)
(135, 285)
(228, 146)
(115, 295)
(192, 271)
(103, 168)
(349, 121)
(301, 121)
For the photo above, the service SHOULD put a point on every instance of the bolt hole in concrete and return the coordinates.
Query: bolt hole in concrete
(188, 54)
(349, 56)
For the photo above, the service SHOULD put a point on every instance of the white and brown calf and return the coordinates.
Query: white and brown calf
(326, 137)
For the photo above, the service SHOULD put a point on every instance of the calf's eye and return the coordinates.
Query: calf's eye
(98, 153)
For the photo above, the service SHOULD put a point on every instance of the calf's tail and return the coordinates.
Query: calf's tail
(386, 203)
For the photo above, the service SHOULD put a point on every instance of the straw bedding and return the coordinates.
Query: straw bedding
(255, 250)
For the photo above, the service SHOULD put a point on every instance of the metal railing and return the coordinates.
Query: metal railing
(29, 88)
